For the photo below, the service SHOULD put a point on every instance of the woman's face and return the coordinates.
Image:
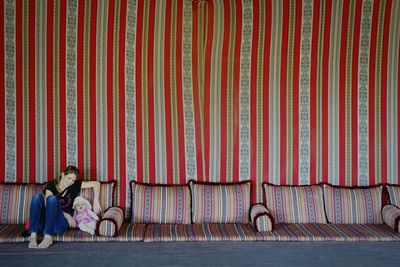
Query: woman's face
(67, 180)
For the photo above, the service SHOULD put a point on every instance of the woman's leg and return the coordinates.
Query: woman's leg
(55, 221)
(35, 220)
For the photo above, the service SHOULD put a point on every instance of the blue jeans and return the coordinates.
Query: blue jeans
(48, 219)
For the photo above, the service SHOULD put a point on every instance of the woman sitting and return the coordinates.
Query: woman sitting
(52, 213)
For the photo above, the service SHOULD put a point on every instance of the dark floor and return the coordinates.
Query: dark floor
(204, 254)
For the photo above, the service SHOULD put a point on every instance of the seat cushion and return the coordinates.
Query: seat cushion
(160, 203)
(200, 232)
(15, 202)
(220, 203)
(330, 232)
(295, 204)
(353, 205)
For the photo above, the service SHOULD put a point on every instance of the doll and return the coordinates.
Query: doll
(84, 216)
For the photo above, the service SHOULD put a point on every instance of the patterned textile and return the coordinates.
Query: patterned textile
(261, 218)
(394, 194)
(345, 205)
(295, 204)
(15, 201)
(220, 203)
(330, 232)
(111, 222)
(200, 232)
(160, 204)
(106, 197)
(391, 216)
(128, 232)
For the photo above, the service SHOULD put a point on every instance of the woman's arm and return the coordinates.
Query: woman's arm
(70, 219)
(46, 194)
(96, 188)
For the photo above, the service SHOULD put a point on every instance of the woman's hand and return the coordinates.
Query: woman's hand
(96, 206)
(71, 221)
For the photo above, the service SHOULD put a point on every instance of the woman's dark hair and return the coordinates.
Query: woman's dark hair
(69, 169)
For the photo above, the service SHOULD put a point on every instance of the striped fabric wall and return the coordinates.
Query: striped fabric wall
(286, 92)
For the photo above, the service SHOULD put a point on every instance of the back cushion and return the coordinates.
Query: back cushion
(295, 204)
(219, 203)
(160, 204)
(353, 205)
(394, 194)
(15, 201)
(106, 194)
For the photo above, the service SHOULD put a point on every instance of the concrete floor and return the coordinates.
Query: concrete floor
(204, 254)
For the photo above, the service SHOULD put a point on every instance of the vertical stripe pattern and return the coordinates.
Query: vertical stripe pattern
(285, 92)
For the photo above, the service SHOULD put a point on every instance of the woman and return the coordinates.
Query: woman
(52, 213)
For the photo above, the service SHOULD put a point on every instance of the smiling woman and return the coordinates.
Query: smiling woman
(52, 213)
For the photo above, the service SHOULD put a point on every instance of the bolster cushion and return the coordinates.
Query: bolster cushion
(295, 204)
(353, 205)
(164, 204)
(106, 194)
(391, 216)
(394, 194)
(15, 202)
(111, 222)
(220, 203)
(261, 218)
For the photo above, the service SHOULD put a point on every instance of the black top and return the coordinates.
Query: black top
(65, 198)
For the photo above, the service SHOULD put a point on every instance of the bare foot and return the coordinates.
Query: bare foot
(46, 242)
(33, 241)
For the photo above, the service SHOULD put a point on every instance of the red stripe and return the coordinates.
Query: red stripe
(18, 87)
(138, 79)
(384, 88)
(167, 92)
(282, 102)
(92, 85)
(253, 98)
(181, 124)
(325, 95)
(296, 71)
(63, 121)
(342, 95)
(32, 109)
(313, 93)
(150, 81)
(2, 97)
(236, 91)
(354, 92)
(371, 93)
(121, 82)
(49, 81)
(196, 102)
(110, 78)
(80, 95)
(207, 77)
(224, 82)
(267, 47)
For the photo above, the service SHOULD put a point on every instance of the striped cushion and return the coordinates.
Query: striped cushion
(15, 201)
(394, 194)
(160, 203)
(219, 203)
(330, 232)
(261, 218)
(347, 205)
(391, 216)
(295, 204)
(200, 232)
(106, 194)
(111, 222)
